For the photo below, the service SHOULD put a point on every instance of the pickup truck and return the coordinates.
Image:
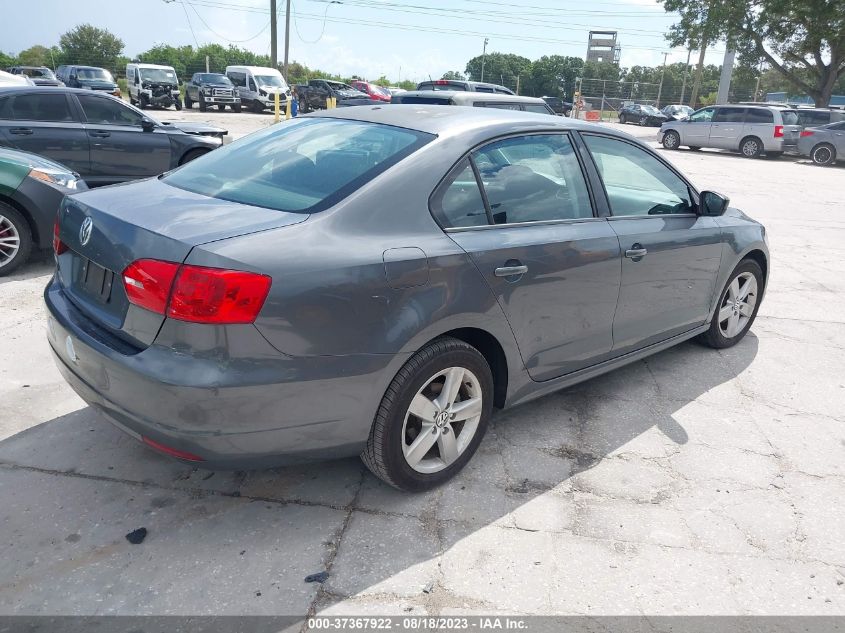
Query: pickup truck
(211, 89)
(313, 95)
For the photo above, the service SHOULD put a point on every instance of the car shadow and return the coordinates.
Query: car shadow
(40, 263)
(709, 151)
(75, 485)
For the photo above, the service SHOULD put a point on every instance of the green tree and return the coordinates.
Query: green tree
(35, 56)
(602, 70)
(7, 60)
(554, 75)
(453, 74)
(86, 44)
(500, 68)
(803, 40)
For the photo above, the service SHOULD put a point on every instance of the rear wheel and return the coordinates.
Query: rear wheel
(191, 155)
(432, 417)
(823, 154)
(751, 147)
(737, 307)
(15, 239)
(671, 140)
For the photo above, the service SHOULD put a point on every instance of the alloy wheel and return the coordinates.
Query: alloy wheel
(10, 241)
(822, 155)
(750, 148)
(442, 420)
(738, 305)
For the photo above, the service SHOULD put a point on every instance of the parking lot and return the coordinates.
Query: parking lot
(693, 482)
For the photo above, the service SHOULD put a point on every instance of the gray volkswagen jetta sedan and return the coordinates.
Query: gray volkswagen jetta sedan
(376, 280)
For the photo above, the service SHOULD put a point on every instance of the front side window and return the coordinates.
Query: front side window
(303, 167)
(41, 107)
(102, 110)
(239, 79)
(533, 178)
(702, 116)
(458, 202)
(636, 182)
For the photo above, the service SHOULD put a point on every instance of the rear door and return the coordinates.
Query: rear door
(531, 232)
(670, 255)
(837, 133)
(43, 122)
(726, 131)
(120, 148)
(695, 131)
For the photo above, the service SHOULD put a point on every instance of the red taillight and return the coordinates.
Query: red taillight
(59, 247)
(806, 132)
(441, 82)
(214, 295)
(175, 452)
(196, 293)
(778, 131)
(148, 282)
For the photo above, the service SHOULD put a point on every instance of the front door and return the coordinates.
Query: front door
(695, 131)
(44, 123)
(670, 255)
(726, 129)
(120, 148)
(552, 266)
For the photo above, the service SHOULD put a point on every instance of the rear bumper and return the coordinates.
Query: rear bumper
(259, 410)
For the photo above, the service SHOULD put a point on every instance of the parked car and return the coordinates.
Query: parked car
(152, 85)
(89, 78)
(39, 75)
(373, 91)
(375, 281)
(641, 114)
(750, 130)
(98, 136)
(31, 190)
(257, 86)
(8, 79)
(814, 117)
(474, 99)
(677, 112)
(313, 95)
(561, 107)
(824, 144)
(208, 89)
(466, 86)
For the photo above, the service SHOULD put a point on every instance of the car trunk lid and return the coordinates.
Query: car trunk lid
(107, 229)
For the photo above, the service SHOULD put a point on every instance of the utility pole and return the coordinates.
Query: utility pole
(274, 58)
(662, 73)
(287, 36)
(725, 78)
(686, 72)
(483, 58)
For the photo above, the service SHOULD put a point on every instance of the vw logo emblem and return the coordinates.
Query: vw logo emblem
(85, 231)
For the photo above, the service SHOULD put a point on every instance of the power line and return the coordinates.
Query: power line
(194, 9)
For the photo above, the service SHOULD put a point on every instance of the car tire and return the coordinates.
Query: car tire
(203, 105)
(396, 431)
(823, 154)
(257, 107)
(188, 103)
(643, 121)
(751, 147)
(236, 107)
(178, 104)
(671, 140)
(142, 102)
(737, 307)
(15, 239)
(190, 155)
(623, 119)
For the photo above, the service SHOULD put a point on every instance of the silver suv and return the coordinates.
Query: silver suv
(750, 130)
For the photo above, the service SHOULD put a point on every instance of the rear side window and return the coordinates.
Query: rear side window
(729, 115)
(812, 118)
(304, 167)
(458, 202)
(832, 126)
(760, 115)
(41, 107)
(535, 178)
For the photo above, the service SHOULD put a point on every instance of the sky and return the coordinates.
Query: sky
(402, 39)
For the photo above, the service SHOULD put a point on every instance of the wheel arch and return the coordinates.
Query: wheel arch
(199, 151)
(758, 256)
(493, 352)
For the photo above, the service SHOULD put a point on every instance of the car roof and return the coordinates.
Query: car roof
(6, 90)
(439, 120)
(464, 95)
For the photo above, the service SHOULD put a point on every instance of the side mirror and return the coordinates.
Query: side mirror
(148, 125)
(712, 203)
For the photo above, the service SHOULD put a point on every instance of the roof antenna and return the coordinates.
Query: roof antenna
(429, 77)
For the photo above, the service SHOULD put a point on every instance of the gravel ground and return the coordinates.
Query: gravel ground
(693, 482)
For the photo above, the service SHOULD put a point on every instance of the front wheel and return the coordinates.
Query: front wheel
(432, 416)
(671, 140)
(142, 102)
(236, 107)
(622, 119)
(15, 239)
(188, 103)
(737, 307)
(178, 104)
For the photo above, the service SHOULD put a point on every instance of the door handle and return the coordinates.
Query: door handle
(21, 131)
(100, 134)
(510, 271)
(636, 252)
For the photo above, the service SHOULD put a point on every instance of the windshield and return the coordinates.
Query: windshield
(272, 81)
(301, 167)
(45, 73)
(213, 78)
(158, 74)
(650, 109)
(94, 74)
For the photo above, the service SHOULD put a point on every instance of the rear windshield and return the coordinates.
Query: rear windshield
(417, 100)
(790, 117)
(303, 166)
(433, 85)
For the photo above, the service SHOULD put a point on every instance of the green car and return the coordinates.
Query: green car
(31, 190)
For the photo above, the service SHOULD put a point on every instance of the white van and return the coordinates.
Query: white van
(151, 84)
(257, 86)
